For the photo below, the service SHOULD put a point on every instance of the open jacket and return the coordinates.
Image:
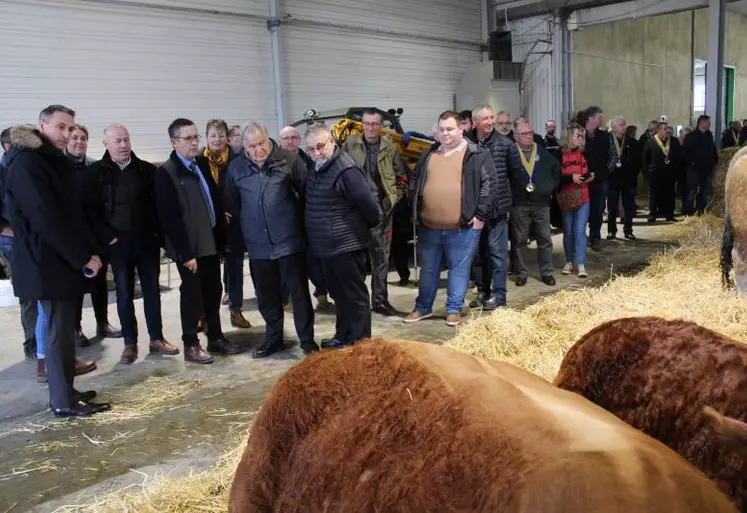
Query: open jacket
(478, 184)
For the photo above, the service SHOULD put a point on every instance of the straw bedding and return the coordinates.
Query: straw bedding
(683, 283)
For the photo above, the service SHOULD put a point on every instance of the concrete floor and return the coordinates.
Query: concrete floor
(172, 418)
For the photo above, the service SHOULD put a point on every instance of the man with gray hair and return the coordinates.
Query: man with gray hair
(266, 185)
(491, 265)
(623, 178)
(341, 210)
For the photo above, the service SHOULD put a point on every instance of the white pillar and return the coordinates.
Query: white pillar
(715, 70)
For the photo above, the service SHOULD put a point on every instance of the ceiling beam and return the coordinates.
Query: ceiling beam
(629, 10)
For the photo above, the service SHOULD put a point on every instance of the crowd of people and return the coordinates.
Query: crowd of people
(487, 185)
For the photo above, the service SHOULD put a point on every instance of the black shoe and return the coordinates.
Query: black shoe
(479, 301)
(80, 339)
(385, 309)
(309, 347)
(611, 236)
(672, 219)
(107, 331)
(493, 303)
(630, 236)
(521, 281)
(266, 349)
(651, 220)
(404, 282)
(596, 245)
(223, 346)
(29, 353)
(332, 344)
(549, 281)
(82, 397)
(81, 410)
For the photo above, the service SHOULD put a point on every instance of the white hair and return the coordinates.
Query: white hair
(318, 129)
(479, 108)
(252, 126)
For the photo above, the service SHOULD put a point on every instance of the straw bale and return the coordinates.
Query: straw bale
(682, 283)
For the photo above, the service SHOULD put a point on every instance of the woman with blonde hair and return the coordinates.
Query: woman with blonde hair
(573, 198)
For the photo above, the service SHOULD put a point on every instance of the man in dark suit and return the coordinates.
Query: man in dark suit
(662, 158)
(53, 248)
(193, 225)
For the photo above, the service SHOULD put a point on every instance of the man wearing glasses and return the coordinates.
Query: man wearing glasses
(290, 140)
(193, 225)
(341, 211)
(386, 173)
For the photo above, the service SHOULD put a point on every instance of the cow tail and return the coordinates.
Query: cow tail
(727, 244)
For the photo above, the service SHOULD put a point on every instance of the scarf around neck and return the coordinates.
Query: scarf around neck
(216, 161)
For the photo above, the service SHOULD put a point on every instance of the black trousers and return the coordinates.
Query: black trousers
(346, 280)
(200, 291)
(99, 298)
(661, 194)
(59, 337)
(270, 278)
(401, 249)
(379, 253)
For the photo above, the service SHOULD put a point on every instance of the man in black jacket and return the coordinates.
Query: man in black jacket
(493, 246)
(534, 175)
(120, 200)
(701, 158)
(599, 154)
(53, 249)
(193, 225)
(266, 185)
(341, 210)
(623, 179)
(662, 156)
(453, 195)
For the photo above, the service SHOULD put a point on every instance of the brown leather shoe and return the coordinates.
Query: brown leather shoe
(453, 319)
(41, 371)
(129, 354)
(238, 320)
(163, 347)
(200, 325)
(195, 354)
(84, 366)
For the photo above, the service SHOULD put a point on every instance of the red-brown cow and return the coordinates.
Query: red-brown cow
(658, 376)
(397, 426)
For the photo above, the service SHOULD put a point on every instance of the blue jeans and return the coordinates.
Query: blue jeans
(574, 234)
(458, 248)
(233, 279)
(597, 199)
(144, 255)
(493, 249)
(41, 327)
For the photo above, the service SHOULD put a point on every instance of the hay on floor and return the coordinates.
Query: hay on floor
(683, 283)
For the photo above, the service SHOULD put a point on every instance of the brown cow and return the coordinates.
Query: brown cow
(658, 376)
(397, 426)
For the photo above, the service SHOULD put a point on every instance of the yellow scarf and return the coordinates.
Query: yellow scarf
(216, 162)
(529, 164)
(664, 147)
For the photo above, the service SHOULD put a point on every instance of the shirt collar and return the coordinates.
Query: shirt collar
(187, 162)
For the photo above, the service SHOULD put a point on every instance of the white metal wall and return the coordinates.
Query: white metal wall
(138, 66)
(532, 40)
(143, 63)
(391, 53)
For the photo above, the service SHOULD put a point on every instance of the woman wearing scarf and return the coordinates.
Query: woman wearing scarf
(219, 154)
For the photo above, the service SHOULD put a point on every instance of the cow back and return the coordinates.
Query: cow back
(399, 426)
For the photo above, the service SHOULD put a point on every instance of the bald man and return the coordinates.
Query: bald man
(290, 140)
(119, 200)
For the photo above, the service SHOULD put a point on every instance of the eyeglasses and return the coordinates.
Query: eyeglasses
(191, 139)
(525, 133)
(371, 124)
(290, 138)
(318, 148)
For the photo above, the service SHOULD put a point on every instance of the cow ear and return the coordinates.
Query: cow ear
(730, 431)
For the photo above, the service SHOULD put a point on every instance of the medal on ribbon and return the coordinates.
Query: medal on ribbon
(619, 148)
(664, 148)
(528, 165)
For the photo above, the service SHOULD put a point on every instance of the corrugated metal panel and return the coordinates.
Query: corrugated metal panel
(133, 65)
(332, 68)
(254, 7)
(532, 40)
(444, 18)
